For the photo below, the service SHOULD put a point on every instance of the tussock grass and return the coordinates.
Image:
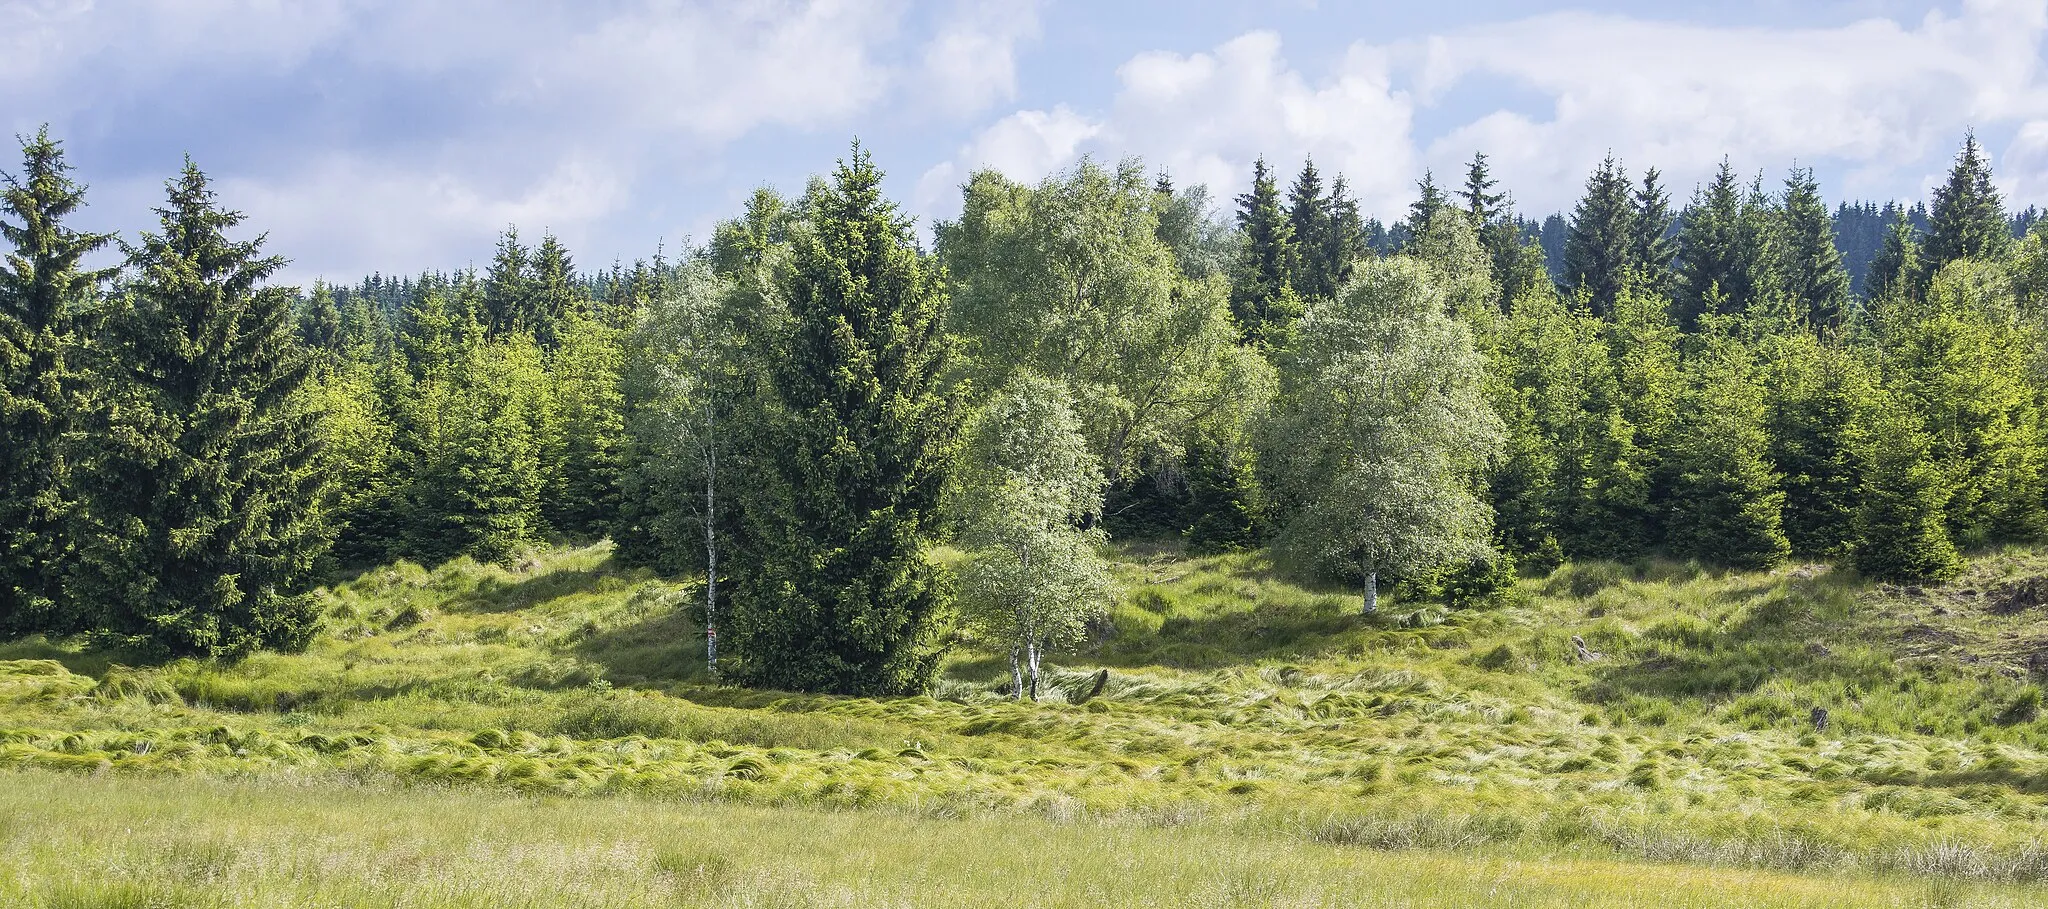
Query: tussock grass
(1241, 703)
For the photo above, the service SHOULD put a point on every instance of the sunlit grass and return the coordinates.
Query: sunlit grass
(123, 842)
(1241, 702)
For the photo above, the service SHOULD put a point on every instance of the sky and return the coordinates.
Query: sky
(397, 136)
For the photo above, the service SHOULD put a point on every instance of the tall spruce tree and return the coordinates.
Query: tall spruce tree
(508, 287)
(554, 292)
(1716, 265)
(201, 482)
(44, 295)
(586, 372)
(1428, 201)
(1262, 297)
(1651, 246)
(1310, 219)
(1601, 249)
(1967, 219)
(1809, 266)
(857, 432)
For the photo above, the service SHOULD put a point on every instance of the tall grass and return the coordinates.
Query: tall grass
(123, 842)
(1241, 702)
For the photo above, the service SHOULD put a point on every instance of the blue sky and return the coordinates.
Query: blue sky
(401, 135)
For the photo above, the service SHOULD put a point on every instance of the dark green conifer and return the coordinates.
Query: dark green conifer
(1725, 504)
(1601, 248)
(552, 291)
(320, 320)
(1651, 246)
(200, 479)
(1895, 270)
(1809, 265)
(1817, 401)
(1262, 297)
(1309, 220)
(585, 371)
(1901, 527)
(849, 459)
(508, 290)
(44, 295)
(1428, 201)
(1967, 219)
(1716, 271)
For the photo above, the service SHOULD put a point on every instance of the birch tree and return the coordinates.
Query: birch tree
(683, 381)
(1380, 429)
(1035, 576)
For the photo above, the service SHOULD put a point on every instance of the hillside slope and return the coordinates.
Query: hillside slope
(1236, 700)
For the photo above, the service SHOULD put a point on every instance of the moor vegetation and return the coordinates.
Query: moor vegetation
(1203, 562)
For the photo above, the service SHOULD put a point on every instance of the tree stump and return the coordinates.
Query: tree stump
(1820, 719)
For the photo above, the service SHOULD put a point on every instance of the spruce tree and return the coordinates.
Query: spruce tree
(1428, 201)
(1651, 246)
(1481, 202)
(1901, 530)
(320, 320)
(1817, 408)
(201, 483)
(1716, 266)
(553, 291)
(1309, 219)
(1959, 362)
(1967, 219)
(583, 492)
(1810, 268)
(508, 290)
(44, 294)
(1514, 265)
(1895, 270)
(1725, 504)
(1601, 249)
(851, 453)
(1262, 297)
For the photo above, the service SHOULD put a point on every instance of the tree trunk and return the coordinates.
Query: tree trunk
(1031, 653)
(710, 548)
(1016, 676)
(1372, 591)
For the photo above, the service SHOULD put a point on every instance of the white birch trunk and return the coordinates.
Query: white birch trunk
(710, 543)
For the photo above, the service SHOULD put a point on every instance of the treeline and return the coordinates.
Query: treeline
(797, 411)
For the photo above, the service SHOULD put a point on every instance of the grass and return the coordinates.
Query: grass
(109, 842)
(1245, 710)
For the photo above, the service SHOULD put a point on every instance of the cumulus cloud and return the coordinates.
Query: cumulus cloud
(1204, 117)
(399, 132)
(1880, 100)
(1875, 95)
(972, 61)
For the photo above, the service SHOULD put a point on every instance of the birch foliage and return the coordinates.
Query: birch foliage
(1035, 576)
(1380, 427)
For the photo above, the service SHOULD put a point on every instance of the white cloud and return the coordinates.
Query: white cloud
(341, 211)
(1874, 95)
(1204, 117)
(1877, 99)
(972, 61)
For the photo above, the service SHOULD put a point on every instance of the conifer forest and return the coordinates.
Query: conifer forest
(1689, 528)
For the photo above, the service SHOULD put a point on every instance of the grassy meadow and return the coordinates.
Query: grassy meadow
(544, 734)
